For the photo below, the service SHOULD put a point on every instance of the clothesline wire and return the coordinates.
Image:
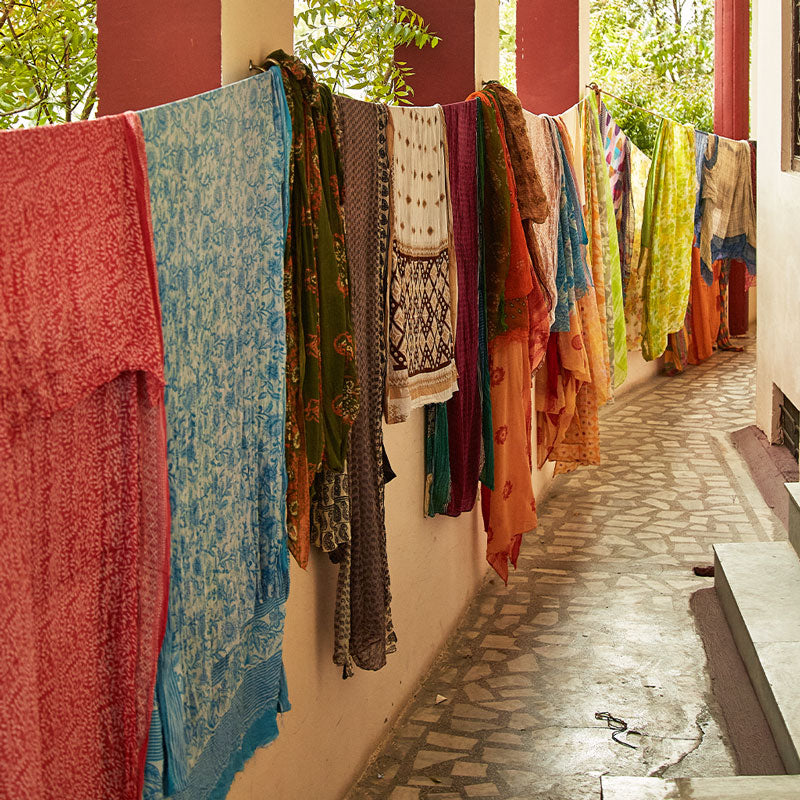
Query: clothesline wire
(595, 88)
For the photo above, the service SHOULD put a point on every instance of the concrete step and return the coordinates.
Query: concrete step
(758, 585)
(794, 514)
(759, 787)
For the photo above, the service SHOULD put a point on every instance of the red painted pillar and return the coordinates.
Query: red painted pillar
(732, 114)
(445, 73)
(154, 51)
(548, 55)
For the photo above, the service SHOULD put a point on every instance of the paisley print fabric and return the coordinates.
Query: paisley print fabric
(667, 234)
(84, 514)
(422, 270)
(571, 383)
(213, 160)
(323, 392)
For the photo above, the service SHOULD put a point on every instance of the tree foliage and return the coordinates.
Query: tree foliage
(350, 45)
(508, 44)
(658, 54)
(48, 61)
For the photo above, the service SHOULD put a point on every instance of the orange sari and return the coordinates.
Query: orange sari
(510, 510)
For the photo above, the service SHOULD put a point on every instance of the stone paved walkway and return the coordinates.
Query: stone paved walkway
(596, 618)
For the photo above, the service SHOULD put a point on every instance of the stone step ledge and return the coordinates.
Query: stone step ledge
(758, 585)
(759, 787)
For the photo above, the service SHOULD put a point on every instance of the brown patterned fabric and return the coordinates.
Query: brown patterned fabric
(363, 631)
(533, 202)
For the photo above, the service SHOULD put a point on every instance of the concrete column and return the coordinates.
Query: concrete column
(732, 114)
(468, 53)
(151, 52)
(552, 53)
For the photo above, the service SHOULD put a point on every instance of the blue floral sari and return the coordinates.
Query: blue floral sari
(218, 169)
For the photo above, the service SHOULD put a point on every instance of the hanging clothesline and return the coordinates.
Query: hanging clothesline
(595, 88)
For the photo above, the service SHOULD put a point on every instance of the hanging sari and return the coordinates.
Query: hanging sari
(542, 131)
(634, 301)
(363, 629)
(727, 211)
(422, 267)
(667, 233)
(533, 209)
(212, 160)
(84, 501)
(453, 430)
(322, 382)
(603, 251)
(510, 509)
(617, 147)
(567, 387)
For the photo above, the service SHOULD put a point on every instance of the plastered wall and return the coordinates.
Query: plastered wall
(778, 219)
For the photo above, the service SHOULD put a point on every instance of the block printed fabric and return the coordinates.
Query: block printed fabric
(84, 503)
(218, 166)
(363, 629)
(323, 392)
(422, 270)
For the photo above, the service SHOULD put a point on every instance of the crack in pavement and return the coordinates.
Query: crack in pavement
(703, 716)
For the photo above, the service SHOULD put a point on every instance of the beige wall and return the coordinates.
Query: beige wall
(252, 29)
(487, 41)
(778, 219)
(436, 567)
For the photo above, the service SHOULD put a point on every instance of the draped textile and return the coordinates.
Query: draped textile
(422, 269)
(533, 208)
(322, 385)
(727, 224)
(696, 341)
(484, 379)
(453, 441)
(603, 248)
(567, 387)
(617, 148)
(542, 131)
(667, 233)
(212, 160)
(84, 514)
(363, 630)
(634, 299)
(495, 221)
(510, 508)
(576, 164)
(531, 195)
